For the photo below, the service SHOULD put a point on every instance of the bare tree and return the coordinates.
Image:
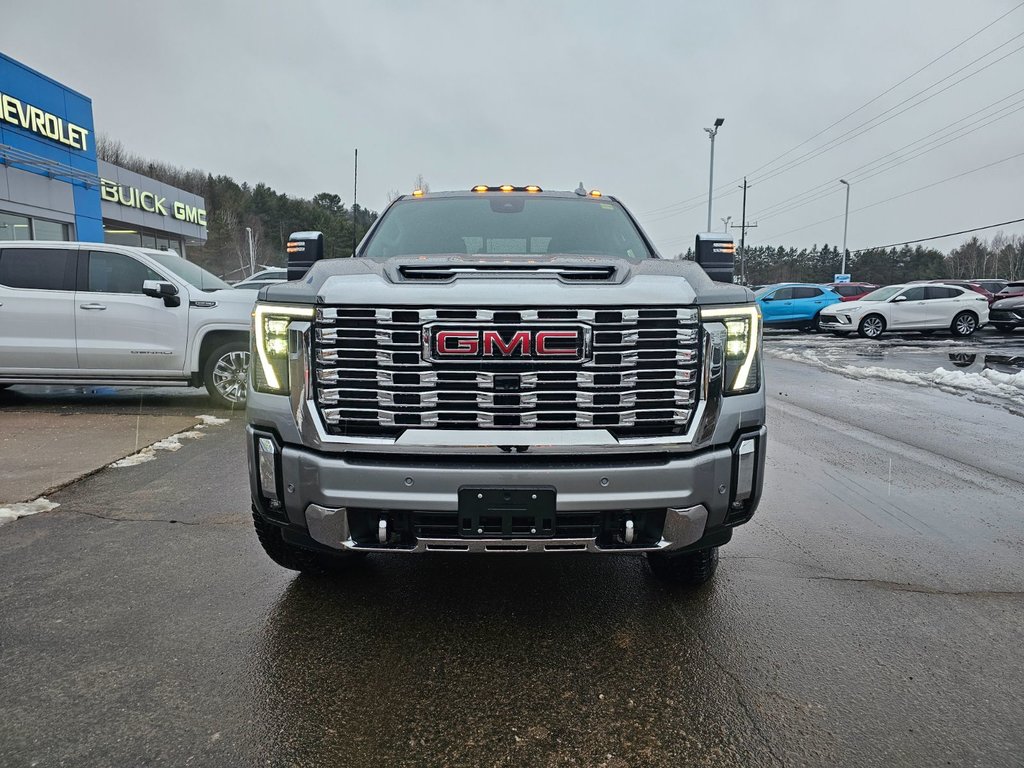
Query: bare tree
(421, 183)
(110, 149)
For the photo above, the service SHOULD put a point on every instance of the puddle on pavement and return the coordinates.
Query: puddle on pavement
(910, 352)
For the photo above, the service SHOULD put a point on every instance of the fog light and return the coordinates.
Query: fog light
(268, 467)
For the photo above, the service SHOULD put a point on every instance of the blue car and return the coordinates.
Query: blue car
(794, 305)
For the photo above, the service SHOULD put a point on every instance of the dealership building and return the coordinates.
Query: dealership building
(52, 187)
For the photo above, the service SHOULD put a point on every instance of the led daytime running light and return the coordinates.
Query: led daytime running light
(279, 316)
(749, 314)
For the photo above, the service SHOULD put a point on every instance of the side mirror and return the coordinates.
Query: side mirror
(767, 298)
(898, 299)
(158, 289)
(304, 250)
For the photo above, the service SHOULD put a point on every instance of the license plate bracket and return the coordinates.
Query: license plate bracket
(509, 513)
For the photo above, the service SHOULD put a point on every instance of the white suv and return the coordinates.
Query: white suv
(913, 307)
(91, 313)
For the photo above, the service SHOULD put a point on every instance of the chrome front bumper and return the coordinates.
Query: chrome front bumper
(312, 492)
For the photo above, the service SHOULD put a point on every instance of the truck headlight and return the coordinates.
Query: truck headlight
(270, 325)
(742, 345)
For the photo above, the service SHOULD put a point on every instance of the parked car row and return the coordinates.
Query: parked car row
(959, 306)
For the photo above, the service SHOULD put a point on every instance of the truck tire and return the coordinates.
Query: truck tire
(225, 373)
(296, 558)
(689, 569)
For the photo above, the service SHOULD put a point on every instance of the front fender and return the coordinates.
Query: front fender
(204, 330)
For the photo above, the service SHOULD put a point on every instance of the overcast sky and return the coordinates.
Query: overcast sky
(612, 94)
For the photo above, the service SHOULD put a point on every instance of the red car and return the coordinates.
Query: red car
(852, 291)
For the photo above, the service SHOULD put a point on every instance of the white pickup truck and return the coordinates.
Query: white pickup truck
(92, 313)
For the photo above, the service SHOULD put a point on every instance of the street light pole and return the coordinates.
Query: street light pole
(725, 223)
(252, 252)
(846, 222)
(712, 132)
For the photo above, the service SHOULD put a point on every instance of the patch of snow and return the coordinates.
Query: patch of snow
(211, 421)
(11, 512)
(172, 443)
(986, 382)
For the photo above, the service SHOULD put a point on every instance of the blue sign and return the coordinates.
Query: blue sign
(44, 122)
(841, 279)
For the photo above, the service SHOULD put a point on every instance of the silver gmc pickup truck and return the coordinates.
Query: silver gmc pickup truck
(501, 370)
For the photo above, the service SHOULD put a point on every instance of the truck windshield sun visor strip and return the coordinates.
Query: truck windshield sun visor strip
(632, 372)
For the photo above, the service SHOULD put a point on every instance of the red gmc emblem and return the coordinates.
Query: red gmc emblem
(452, 344)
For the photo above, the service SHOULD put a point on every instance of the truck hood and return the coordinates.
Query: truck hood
(491, 280)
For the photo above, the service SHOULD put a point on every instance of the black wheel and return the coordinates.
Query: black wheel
(1002, 328)
(815, 324)
(225, 373)
(296, 558)
(964, 324)
(871, 327)
(690, 569)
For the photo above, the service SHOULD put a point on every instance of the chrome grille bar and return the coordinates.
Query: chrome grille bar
(370, 376)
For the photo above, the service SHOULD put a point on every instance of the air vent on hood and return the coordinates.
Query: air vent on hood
(446, 272)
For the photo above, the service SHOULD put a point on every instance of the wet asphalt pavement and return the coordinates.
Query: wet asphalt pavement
(870, 614)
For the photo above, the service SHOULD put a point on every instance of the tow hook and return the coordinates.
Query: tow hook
(382, 531)
(630, 532)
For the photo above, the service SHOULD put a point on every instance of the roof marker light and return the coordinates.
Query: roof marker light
(595, 193)
(507, 188)
(533, 188)
(480, 188)
(417, 193)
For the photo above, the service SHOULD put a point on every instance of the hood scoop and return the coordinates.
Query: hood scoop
(565, 273)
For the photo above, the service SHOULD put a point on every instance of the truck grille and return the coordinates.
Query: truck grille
(639, 380)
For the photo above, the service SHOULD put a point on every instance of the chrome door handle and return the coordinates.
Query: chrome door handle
(93, 305)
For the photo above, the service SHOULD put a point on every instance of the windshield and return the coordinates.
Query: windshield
(191, 273)
(883, 293)
(765, 290)
(506, 225)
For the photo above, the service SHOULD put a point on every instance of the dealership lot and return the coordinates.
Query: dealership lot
(870, 614)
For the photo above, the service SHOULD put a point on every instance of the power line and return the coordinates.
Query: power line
(770, 210)
(858, 109)
(902, 194)
(845, 137)
(938, 237)
(895, 86)
(885, 167)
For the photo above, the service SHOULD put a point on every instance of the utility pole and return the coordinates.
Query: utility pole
(743, 227)
(712, 132)
(846, 222)
(355, 192)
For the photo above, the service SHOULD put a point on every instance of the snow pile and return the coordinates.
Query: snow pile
(211, 421)
(172, 443)
(10, 512)
(986, 382)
